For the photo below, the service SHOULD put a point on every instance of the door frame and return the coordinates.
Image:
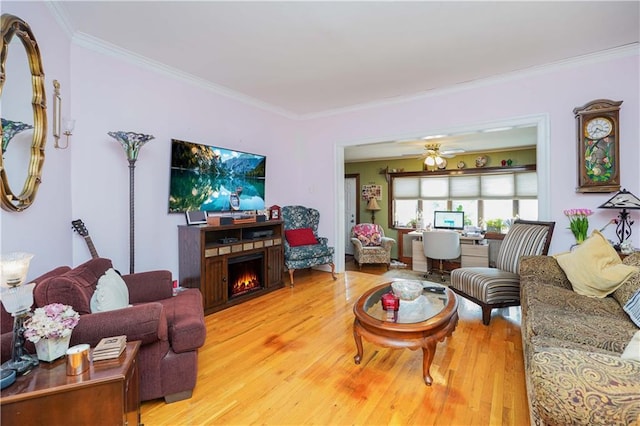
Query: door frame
(355, 176)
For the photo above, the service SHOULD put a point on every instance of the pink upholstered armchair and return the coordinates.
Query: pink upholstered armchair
(370, 245)
(171, 328)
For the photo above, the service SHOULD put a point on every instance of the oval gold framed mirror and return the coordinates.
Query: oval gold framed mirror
(24, 117)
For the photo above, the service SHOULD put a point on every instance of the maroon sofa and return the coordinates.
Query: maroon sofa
(171, 328)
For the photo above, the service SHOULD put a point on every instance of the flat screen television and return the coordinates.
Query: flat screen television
(215, 179)
(448, 220)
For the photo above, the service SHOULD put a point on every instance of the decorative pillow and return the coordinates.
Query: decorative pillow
(300, 237)
(594, 267)
(632, 307)
(369, 234)
(632, 351)
(111, 293)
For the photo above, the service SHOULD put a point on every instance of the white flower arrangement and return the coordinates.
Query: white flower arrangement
(51, 321)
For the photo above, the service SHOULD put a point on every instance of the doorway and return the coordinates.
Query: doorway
(543, 155)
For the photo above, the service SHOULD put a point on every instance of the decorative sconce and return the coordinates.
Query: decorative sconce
(69, 124)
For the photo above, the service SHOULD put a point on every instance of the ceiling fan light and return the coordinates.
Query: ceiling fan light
(429, 161)
(439, 160)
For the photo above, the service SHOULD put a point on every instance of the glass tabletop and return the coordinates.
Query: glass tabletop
(430, 303)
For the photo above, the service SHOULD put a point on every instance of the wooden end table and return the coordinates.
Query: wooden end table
(108, 393)
(417, 324)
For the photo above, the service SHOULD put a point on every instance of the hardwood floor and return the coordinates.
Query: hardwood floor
(286, 358)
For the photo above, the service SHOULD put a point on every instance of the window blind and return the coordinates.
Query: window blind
(518, 185)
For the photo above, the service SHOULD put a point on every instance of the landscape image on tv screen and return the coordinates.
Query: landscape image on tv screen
(215, 179)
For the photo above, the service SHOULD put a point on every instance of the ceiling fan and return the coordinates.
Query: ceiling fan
(434, 157)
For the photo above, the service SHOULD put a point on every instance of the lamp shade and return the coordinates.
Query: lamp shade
(622, 200)
(17, 299)
(14, 268)
(373, 204)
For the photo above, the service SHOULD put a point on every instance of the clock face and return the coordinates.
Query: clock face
(598, 128)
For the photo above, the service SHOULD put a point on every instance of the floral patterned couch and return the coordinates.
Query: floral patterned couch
(572, 349)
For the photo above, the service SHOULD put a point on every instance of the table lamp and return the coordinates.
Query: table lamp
(17, 300)
(373, 207)
(622, 200)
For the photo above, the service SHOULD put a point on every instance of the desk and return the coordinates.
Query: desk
(474, 252)
(106, 394)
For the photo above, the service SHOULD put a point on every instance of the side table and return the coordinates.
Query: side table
(108, 393)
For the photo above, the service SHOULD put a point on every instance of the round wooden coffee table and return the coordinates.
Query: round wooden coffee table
(421, 323)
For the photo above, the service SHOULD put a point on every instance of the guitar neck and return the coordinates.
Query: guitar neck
(92, 248)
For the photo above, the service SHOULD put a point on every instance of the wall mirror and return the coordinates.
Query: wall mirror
(24, 118)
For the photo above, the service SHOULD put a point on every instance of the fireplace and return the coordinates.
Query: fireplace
(245, 274)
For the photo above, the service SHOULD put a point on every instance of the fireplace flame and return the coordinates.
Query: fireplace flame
(245, 282)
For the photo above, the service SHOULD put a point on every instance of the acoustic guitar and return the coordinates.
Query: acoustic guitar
(79, 227)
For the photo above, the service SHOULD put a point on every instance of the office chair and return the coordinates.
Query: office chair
(441, 245)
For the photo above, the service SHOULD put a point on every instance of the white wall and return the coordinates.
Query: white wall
(553, 94)
(304, 166)
(110, 94)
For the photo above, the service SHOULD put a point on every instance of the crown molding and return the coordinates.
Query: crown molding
(632, 49)
(61, 17)
(101, 46)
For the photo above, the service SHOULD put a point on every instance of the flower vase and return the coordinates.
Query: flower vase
(51, 349)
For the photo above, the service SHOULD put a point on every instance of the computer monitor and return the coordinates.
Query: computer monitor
(448, 220)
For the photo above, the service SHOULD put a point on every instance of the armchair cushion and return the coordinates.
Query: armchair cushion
(300, 237)
(111, 293)
(369, 234)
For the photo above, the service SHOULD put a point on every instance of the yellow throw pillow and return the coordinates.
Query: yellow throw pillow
(594, 267)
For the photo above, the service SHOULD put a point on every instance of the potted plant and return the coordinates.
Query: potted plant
(50, 330)
(494, 225)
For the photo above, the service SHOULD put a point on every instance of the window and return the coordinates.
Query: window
(482, 196)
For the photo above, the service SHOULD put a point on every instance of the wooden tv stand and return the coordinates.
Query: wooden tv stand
(204, 253)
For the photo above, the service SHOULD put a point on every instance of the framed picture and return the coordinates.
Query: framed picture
(371, 191)
(274, 212)
(196, 218)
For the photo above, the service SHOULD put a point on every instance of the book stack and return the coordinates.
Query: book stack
(109, 348)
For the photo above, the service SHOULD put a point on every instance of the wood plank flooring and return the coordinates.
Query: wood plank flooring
(286, 358)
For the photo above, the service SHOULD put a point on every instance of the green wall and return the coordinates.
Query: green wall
(369, 172)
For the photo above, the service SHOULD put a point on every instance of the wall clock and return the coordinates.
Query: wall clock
(597, 131)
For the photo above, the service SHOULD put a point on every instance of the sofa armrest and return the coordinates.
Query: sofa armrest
(579, 387)
(633, 259)
(387, 243)
(149, 286)
(146, 322)
(543, 269)
(357, 243)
